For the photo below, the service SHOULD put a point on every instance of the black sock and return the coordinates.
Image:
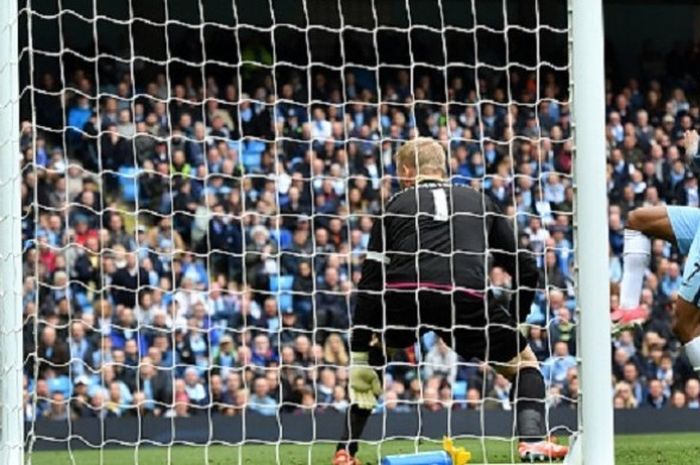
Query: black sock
(529, 404)
(355, 421)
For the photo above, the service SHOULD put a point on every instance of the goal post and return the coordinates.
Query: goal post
(593, 299)
(11, 362)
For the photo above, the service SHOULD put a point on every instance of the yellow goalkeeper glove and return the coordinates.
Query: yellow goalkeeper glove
(364, 382)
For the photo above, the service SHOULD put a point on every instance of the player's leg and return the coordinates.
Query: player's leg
(509, 354)
(528, 395)
(399, 305)
(356, 420)
(356, 417)
(674, 224)
(686, 317)
(528, 392)
(686, 327)
(653, 222)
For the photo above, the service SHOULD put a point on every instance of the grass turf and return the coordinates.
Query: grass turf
(676, 449)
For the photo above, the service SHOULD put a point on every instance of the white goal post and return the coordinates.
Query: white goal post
(595, 435)
(11, 362)
(588, 91)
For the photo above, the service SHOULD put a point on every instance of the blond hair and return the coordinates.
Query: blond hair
(423, 153)
(339, 357)
(629, 401)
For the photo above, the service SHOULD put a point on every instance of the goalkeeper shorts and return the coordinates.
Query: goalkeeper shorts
(460, 320)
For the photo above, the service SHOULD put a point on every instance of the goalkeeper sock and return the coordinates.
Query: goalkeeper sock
(637, 254)
(529, 404)
(355, 421)
(692, 351)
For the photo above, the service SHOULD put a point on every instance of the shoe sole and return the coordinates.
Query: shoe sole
(533, 457)
(617, 328)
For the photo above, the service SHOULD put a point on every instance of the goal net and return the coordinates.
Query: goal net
(199, 179)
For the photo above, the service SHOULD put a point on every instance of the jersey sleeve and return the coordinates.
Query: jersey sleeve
(368, 309)
(519, 264)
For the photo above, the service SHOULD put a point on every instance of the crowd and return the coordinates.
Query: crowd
(193, 248)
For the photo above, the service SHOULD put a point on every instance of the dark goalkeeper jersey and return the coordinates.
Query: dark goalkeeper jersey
(442, 237)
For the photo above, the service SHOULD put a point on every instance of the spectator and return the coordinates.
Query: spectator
(181, 295)
(156, 387)
(260, 401)
(634, 383)
(555, 368)
(334, 351)
(52, 353)
(678, 399)
(656, 397)
(58, 410)
(325, 387)
(692, 393)
(441, 360)
(263, 354)
(624, 399)
(331, 305)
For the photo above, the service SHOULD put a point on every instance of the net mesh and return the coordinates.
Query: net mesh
(200, 179)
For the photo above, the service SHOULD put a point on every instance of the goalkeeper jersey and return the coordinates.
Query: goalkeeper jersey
(443, 237)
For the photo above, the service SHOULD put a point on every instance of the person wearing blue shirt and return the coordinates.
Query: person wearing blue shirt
(260, 401)
(671, 282)
(554, 369)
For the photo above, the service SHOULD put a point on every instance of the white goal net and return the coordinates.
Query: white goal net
(199, 181)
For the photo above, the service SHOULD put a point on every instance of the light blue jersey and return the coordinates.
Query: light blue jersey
(685, 222)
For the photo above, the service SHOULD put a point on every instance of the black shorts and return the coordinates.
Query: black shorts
(463, 322)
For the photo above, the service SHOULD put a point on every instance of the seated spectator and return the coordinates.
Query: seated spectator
(52, 352)
(539, 343)
(431, 400)
(216, 387)
(325, 387)
(331, 304)
(194, 387)
(441, 360)
(624, 398)
(58, 410)
(555, 368)
(156, 386)
(340, 400)
(303, 289)
(473, 399)
(630, 375)
(692, 393)
(499, 396)
(224, 359)
(260, 401)
(263, 354)
(116, 406)
(125, 329)
(671, 280)
(655, 397)
(678, 400)
(334, 351)
(80, 400)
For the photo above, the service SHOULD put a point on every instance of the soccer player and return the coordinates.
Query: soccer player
(680, 225)
(426, 264)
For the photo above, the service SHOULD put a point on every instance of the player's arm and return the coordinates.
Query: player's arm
(364, 381)
(368, 309)
(520, 264)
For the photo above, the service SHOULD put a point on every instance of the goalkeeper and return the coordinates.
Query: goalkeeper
(426, 264)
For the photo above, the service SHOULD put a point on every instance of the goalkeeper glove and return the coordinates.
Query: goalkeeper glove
(364, 382)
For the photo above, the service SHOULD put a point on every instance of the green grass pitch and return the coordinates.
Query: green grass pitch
(676, 449)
